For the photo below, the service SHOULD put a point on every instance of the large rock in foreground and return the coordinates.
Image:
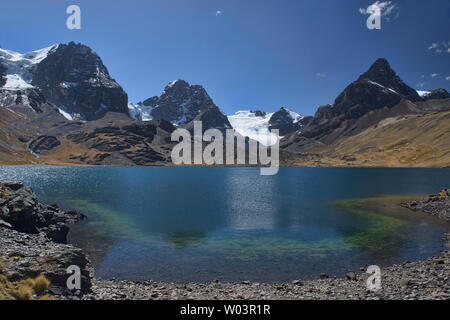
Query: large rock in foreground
(32, 240)
(25, 255)
(20, 210)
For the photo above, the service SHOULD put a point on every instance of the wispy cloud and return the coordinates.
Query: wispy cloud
(440, 47)
(321, 75)
(389, 11)
(420, 84)
(434, 75)
(219, 13)
(447, 78)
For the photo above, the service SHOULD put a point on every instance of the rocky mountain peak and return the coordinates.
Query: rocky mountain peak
(440, 93)
(181, 103)
(285, 120)
(379, 88)
(380, 69)
(382, 75)
(74, 78)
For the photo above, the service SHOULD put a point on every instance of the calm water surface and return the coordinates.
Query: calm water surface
(231, 224)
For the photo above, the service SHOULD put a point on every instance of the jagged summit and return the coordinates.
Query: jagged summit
(379, 88)
(381, 74)
(74, 78)
(286, 121)
(181, 103)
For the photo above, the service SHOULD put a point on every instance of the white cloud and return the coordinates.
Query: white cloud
(389, 11)
(447, 78)
(321, 75)
(434, 75)
(437, 47)
(219, 13)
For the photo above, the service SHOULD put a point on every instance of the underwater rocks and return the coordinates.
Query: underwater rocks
(437, 205)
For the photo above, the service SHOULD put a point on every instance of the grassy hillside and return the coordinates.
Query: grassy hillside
(12, 150)
(413, 140)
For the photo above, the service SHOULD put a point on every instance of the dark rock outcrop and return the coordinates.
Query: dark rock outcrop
(132, 143)
(32, 240)
(211, 118)
(19, 208)
(75, 78)
(2, 74)
(259, 113)
(31, 97)
(43, 144)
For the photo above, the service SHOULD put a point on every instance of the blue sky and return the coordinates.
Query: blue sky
(252, 54)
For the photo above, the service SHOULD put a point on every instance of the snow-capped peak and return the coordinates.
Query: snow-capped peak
(294, 115)
(20, 66)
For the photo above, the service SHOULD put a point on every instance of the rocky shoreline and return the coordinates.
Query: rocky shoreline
(436, 204)
(33, 242)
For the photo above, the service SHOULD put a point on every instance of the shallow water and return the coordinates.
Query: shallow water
(231, 224)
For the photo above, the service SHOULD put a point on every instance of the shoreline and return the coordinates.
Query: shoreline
(45, 252)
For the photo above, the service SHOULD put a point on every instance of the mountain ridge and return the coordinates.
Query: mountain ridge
(72, 111)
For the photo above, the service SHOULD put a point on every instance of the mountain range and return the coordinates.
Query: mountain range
(59, 105)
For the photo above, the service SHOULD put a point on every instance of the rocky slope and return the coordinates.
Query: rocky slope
(112, 140)
(376, 113)
(396, 141)
(33, 237)
(435, 204)
(380, 88)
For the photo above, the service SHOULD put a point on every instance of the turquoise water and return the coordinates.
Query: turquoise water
(231, 224)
